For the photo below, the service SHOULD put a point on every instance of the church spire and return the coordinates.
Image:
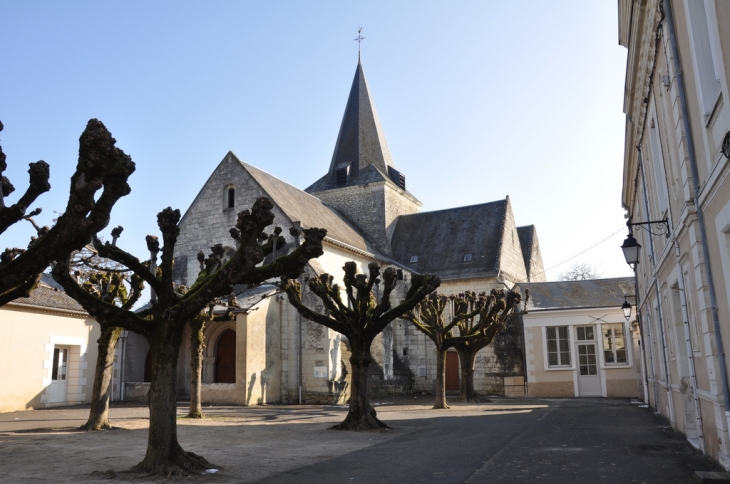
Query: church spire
(361, 141)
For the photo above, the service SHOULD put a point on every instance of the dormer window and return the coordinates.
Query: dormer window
(414, 258)
(231, 197)
(342, 174)
(467, 258)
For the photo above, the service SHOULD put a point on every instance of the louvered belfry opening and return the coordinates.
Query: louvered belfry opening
(342, 174)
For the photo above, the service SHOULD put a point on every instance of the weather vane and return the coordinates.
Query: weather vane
(359, 39)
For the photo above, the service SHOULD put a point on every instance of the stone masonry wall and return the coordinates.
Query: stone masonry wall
(364, 205)
(417, 351)
(208, 220)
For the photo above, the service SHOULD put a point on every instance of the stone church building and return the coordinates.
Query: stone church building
(267, 352)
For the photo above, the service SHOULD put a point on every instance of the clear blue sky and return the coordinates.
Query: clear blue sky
(478, 100)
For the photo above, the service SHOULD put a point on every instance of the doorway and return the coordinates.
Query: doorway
(225, 360)
(452, 371)
(57, 391)
(589, 379)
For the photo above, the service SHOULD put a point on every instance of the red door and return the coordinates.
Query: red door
(225, 361)
(452, 371)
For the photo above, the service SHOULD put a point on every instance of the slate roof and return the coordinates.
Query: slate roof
(309, 210)
(360, 142)
(440, 239)
(530, 253)
(49, 294)
(577, 294)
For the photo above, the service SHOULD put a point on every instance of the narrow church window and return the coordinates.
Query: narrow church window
(231, 197)
(467, 257)
(405, 351)
(414, 258)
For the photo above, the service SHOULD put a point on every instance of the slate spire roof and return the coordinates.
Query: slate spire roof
(361, 144)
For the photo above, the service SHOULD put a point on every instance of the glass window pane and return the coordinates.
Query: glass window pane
(552, 359)
(54, 372)
(550, 332)
(608, 356)
(564, 345)
(552, 346)
(589, 333)
(565, 358)
(581, 334)
(621, 356)
(563, 332)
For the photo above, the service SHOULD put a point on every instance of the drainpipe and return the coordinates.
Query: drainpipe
(295, 231)
(125, 333)
(700, 215)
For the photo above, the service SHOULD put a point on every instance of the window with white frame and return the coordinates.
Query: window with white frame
(660, 179)
(614, 344)
(703, 45)
(558, 346)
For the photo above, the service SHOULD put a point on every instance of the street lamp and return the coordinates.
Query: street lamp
(632, 248)
(626, 308)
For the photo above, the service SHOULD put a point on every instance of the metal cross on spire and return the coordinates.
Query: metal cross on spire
(359, 39)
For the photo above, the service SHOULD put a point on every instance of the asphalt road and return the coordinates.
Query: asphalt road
(505, 441)
(566, 441)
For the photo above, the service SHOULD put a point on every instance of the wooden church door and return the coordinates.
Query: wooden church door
(225, 361)
(452, 371)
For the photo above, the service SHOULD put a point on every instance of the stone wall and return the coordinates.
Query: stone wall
(208, 220)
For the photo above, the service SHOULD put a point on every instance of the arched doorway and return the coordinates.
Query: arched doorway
(225, 359)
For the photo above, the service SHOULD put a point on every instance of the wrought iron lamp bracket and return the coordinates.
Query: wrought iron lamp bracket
(661, 225)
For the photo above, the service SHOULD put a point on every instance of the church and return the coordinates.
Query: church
(267, 352)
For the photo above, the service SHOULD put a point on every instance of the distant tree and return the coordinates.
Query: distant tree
(580, 272)
(481, 317)
(101, 166)
(171, 309)
(111, 283)
(360, 319)
(428, 318)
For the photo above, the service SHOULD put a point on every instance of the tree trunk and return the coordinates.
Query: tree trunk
(101, 392)
(197, 346)
(440, 397)
(466, 359)
(361, 415)
(164, 455)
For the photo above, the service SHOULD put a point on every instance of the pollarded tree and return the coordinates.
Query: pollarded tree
(112, 284)
(163, 322)
(477, 331)
(428, 318)
(101, 165)
(360, 319)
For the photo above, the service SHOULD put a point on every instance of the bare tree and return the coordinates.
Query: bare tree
(428, 318)
(580, 272)
(163, 322)
(100, 166)
(481, 317)
(360, 319)
(111, 283)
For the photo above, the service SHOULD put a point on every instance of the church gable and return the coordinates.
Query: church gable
(228, 190)
(531, 253)
(511, 260)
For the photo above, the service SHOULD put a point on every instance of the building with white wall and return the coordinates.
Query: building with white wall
(676, 169)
